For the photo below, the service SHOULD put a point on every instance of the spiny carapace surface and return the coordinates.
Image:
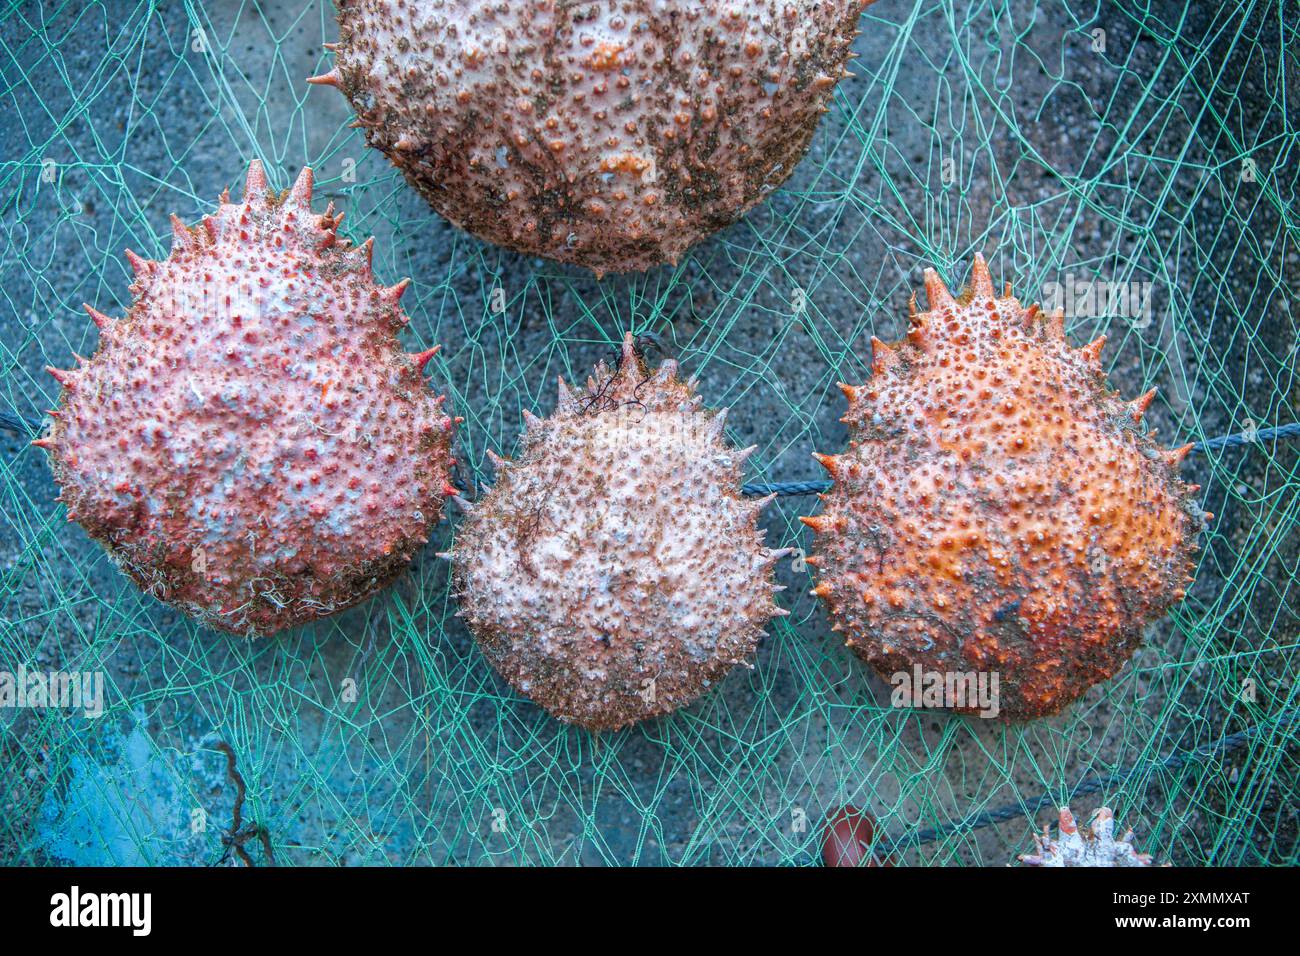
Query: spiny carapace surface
(1094, 845)
(609, 133)
(999, 508)
(613, 572)
(249, 442)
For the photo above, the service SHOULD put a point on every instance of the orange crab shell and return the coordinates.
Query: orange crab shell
(999, 508)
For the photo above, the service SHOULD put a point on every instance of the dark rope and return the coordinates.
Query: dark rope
(1224, 745)
(1247, 438)
(22, 426)
(758, 489)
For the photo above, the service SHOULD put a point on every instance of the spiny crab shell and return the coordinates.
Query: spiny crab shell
(1000, 509)
(609, 133)
(613, 572)
(1094, 846)
(249, 443)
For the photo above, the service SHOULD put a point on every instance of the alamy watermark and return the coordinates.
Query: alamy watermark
(963, 690)
(75, 908)
(65, 690)
(1090, 298)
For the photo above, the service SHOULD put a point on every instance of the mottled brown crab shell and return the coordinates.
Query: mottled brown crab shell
(611, 134)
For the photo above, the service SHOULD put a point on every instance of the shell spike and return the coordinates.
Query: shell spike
(981, 283)
(99, 318)
(1175, 456)
(851, 392)
(936, 292)
(1103, 823)
(394, 292)
(531, 421)
(830, 463)
(819, 523)
(717, 424)
(181, 234)
(629, 347)
(1140, 405)
(883, 358)
(332, 78)
(422, 358)
(1066, 821)
(139, 264)
(64, 377)
(255, 184)
(564, 394)
(300, 194)
(631, 370)
(498, 462)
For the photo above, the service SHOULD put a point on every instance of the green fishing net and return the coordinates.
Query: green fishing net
(1137, 161)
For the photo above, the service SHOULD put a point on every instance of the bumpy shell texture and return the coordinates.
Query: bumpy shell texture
(1094, 846)
(249, 443)
(999, 508)
(613, 572)
(609, 133)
